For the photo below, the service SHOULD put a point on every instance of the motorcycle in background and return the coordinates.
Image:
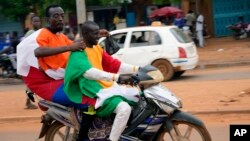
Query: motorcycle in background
(7, 70)
(240, 31)
(156, 117)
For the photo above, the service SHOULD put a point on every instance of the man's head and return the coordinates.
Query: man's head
(90, 33)
(36, 22)
(55, 17)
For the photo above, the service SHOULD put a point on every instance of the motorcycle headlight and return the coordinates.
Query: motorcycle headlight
(167, 108)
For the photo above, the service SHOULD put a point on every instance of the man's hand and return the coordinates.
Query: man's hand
(103, 33)
(78, 45)
(128, 80)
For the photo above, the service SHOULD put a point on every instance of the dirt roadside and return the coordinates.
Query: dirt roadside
(226, 51)
(216, 51)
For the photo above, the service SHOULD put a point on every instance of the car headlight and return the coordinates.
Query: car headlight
(166, 107)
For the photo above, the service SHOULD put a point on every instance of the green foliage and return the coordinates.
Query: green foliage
(69, 5)
(161, 2)
(175, 1)
(92, 2)
(17, 9)
(109, 2)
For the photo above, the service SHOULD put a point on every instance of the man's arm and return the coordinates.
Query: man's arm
(113, 65)
(46, 51)
(96, 74)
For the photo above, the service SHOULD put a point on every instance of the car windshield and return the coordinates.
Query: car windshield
(180, 36)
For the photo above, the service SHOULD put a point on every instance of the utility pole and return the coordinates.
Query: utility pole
(81, 13)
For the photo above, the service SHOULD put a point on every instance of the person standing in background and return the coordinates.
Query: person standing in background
(199, 29)
(116, 20)
(190, 19)
(36, 23)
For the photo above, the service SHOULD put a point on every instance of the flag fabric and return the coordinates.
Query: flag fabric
(54, 65)
(48, 86)
(108, 94)
(25, 54)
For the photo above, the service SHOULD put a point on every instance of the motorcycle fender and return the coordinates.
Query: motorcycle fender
(182, 116)
(46, 122)
(43, 130)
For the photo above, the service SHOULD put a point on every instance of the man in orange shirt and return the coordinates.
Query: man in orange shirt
(45, 53)
(42, 57)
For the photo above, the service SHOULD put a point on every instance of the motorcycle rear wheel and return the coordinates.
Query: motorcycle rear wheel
(185, 131)
(58, 132)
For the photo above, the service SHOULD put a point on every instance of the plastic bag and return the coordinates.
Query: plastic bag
(111, 46)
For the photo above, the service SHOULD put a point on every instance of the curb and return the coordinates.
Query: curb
(19, 118)
(28, 118)
(220, 112)
(12, 81)
(226, 64)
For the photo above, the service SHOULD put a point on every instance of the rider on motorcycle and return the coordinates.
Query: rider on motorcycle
(45, 53)
(93, 73)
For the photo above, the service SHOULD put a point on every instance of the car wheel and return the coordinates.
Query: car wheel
(178, 73)
(166, 69)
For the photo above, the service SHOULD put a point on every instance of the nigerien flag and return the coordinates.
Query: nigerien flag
(108, 94)
(53, 65)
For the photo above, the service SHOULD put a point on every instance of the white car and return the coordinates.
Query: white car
(165, 47)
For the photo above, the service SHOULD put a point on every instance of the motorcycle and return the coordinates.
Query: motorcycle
(6, 67)
(240, 31)
(156, 117)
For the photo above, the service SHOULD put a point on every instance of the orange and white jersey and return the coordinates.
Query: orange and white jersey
(52, 65)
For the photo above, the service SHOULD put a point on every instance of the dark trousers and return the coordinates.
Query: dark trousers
(85, 125)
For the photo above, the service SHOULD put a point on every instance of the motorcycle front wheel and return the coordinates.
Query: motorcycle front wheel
(185, 131)
(60, 132)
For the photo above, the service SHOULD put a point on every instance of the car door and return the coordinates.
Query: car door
(141, 47)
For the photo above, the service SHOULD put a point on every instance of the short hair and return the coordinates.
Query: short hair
(86, 25)
(33, 16)
(47, 14)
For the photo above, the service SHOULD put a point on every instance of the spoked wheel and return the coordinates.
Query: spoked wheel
(60, 132)
(185, 131)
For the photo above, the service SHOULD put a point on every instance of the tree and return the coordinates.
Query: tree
(67, 5)
(18, 9)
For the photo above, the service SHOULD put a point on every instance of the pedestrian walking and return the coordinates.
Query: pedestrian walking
(199, 29)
